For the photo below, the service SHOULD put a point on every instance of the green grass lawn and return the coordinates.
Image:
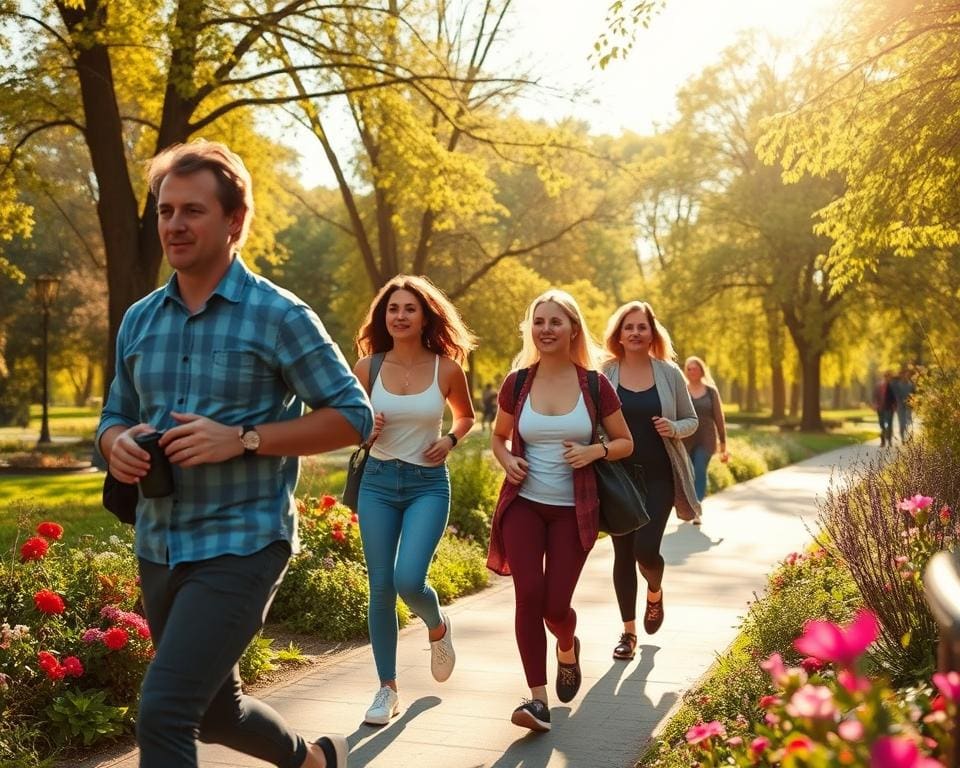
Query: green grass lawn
(71, 500)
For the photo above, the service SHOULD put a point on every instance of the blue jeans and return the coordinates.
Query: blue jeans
(202, 616)
(403, 511)
(700, 457)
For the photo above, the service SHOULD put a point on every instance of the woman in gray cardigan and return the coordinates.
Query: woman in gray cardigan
(658, 411)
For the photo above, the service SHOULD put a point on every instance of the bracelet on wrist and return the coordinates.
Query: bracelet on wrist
(603, 444)
(453, 440)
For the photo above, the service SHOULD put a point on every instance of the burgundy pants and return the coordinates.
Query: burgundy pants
(545, 557)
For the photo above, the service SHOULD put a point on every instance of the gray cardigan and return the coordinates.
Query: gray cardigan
(677, 408)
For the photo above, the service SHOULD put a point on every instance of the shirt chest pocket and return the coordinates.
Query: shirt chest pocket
(240, 373)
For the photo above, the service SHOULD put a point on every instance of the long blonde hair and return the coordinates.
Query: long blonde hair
(707, 376)
(584, 349)
(661, 347)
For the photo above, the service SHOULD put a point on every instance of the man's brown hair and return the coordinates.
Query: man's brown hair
(234, 185)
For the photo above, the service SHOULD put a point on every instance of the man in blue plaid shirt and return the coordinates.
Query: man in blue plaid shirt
(221, 361)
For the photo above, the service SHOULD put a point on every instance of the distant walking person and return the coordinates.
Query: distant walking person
(489, 404)
(547, 519)
(223, 361)
(659, 413)
(903, 389)
(404, 497)
(702, 444)
(884, 403)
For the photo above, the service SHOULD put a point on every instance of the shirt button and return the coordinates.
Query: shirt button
(179, 401)
(186, 358)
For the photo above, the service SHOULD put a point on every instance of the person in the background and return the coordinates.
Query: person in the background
(404, 497)
(659, 413)
(884, 403)
(488, 403)
(702, 444)
(903, 388)
(547, 517)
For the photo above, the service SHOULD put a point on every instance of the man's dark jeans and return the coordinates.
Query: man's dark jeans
(202, 617)
(886, 427)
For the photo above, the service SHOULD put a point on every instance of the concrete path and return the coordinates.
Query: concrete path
(712, 572)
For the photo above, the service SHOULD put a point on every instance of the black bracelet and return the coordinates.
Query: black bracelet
(453, 439)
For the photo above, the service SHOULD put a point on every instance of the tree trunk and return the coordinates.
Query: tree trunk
(753, 404)
(811, 419)
(131, 273)
(778, 386)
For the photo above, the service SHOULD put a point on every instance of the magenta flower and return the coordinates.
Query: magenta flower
(899, 752)
(811, 664)
(853, 682)
(704, 731)
(914, 504)
(948, 683)
(759, 744)
(813, 701)
(843, 646)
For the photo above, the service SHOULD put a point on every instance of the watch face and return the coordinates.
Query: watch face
(251, 440)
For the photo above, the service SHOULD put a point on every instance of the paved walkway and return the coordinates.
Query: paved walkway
(712, 572)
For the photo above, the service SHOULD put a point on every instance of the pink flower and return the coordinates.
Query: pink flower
(813, 701)
(769, 701)
(914, 504)
(759, 744)
(110, 612)
(898, 752)
(774, 666)
(50, 531)
(92, 636)
(705, 731)
(851, 730)
(48, 602)
(792, 558)
(828, 642)
(735, 741)
(948, 683)
(853, 682)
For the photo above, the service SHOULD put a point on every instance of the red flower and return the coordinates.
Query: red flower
(51, 667)
(50, 531)
(338, 535)
(327, 501)
(73, 666)
(811, 664)
(115, 638)
(768, 701)
(48, 602)
(34, 548)
(354, 518)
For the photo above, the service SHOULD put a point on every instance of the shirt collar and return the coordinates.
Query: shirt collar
(230, 287)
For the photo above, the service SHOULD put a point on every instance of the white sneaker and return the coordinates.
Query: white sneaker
(442, 655)
(386, 704)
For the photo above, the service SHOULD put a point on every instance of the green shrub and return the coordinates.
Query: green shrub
(475, 485)
(719, 476)
(746, 463)
(86, 716)
(458, 569)
(326, 596)
(257, 659)
(938, 392)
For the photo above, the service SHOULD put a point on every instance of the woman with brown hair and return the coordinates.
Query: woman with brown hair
(702, 444)
(658, 411)
(415, 342)
(546, 520)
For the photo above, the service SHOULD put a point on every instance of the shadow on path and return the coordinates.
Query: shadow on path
(684, 541)
(378, 738)
(614, 719)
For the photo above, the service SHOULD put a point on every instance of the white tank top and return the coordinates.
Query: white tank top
(549, 478)
(411, 422)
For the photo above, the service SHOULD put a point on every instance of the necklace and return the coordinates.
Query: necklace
(407, 370)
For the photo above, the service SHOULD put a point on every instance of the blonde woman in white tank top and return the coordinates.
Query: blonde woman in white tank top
(404, 497)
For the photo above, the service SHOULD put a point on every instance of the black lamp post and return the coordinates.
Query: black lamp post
(47, 288)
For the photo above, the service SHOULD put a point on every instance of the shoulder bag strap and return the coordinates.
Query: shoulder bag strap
(376, 362)
(593, 381)
(518, 385)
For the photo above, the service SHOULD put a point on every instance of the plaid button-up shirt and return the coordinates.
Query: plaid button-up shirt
(252, 354)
